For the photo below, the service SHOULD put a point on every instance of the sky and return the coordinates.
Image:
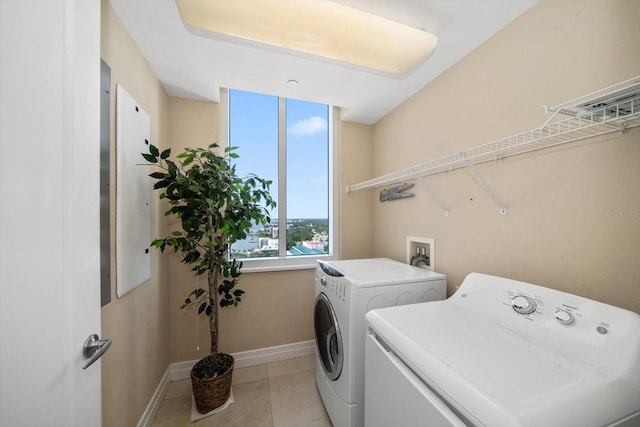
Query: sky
(253, 127)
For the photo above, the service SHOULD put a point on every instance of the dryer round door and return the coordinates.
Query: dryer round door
(328, 337)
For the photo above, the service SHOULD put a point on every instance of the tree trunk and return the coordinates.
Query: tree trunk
(213, 318)
(213, 277)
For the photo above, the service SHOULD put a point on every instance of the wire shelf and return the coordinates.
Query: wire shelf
(615, 112)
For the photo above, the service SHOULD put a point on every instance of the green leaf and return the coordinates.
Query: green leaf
(165, 154)
(161, 184)
(154, 150)
(172, 169)
(158, 175)
(150, 158)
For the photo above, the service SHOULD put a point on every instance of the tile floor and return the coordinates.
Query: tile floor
(277, 394)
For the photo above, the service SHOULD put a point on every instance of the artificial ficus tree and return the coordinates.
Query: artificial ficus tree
(215, 208)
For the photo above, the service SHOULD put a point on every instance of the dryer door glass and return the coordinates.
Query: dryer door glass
(328, 337)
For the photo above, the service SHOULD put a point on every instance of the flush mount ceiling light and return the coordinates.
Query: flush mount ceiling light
(316, 27)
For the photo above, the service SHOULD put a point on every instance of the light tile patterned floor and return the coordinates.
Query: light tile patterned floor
(277, 394)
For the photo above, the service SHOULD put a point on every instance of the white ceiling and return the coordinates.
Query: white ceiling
(196, 66)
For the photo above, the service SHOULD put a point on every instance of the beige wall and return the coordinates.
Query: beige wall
(557, 231)
(277, 309)
(356, 208)
(138, 322)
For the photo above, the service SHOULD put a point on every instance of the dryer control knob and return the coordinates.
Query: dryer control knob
(523, 304)
(564, 317)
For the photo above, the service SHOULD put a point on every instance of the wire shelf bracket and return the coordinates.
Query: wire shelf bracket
(433, 195)
(487, 187)
(615, 108)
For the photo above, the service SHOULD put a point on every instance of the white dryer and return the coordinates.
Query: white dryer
(345, 291)
(503, 353)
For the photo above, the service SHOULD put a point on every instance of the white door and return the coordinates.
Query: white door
(49, 211)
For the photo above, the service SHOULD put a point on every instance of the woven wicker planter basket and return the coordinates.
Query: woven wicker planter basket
(210, 393)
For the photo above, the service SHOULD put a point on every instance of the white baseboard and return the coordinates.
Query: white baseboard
(243, 359)
(273, 354)
(181, 370)
(156, 399)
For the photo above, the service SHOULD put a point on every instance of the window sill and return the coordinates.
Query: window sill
(282, 264)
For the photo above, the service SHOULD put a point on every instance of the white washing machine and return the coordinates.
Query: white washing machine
(503, 353)
(345, 291)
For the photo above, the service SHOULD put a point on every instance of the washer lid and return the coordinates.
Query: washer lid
(381, 271)
(507, 369)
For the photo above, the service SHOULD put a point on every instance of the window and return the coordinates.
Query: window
(289, 142)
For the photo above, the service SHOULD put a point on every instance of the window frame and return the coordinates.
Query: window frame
(282, 261)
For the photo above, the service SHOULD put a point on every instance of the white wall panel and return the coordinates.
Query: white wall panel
(133, 129)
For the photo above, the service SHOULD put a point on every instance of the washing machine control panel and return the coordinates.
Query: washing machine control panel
(523, 304)
(533, 305)
(333, 281)
(330, 270)
(564, 316)
(527, 304)
(334, 286)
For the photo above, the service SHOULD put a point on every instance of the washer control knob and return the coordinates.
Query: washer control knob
(323, 281)
(564, 317)
(523, 304)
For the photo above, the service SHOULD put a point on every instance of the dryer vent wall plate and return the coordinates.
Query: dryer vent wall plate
(421, 252)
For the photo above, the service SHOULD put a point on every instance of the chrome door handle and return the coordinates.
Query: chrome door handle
(94, 348)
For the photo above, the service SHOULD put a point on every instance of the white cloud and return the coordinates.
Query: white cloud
(321, 179)
(309, 126)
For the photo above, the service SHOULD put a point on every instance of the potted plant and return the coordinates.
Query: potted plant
(215, 208)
